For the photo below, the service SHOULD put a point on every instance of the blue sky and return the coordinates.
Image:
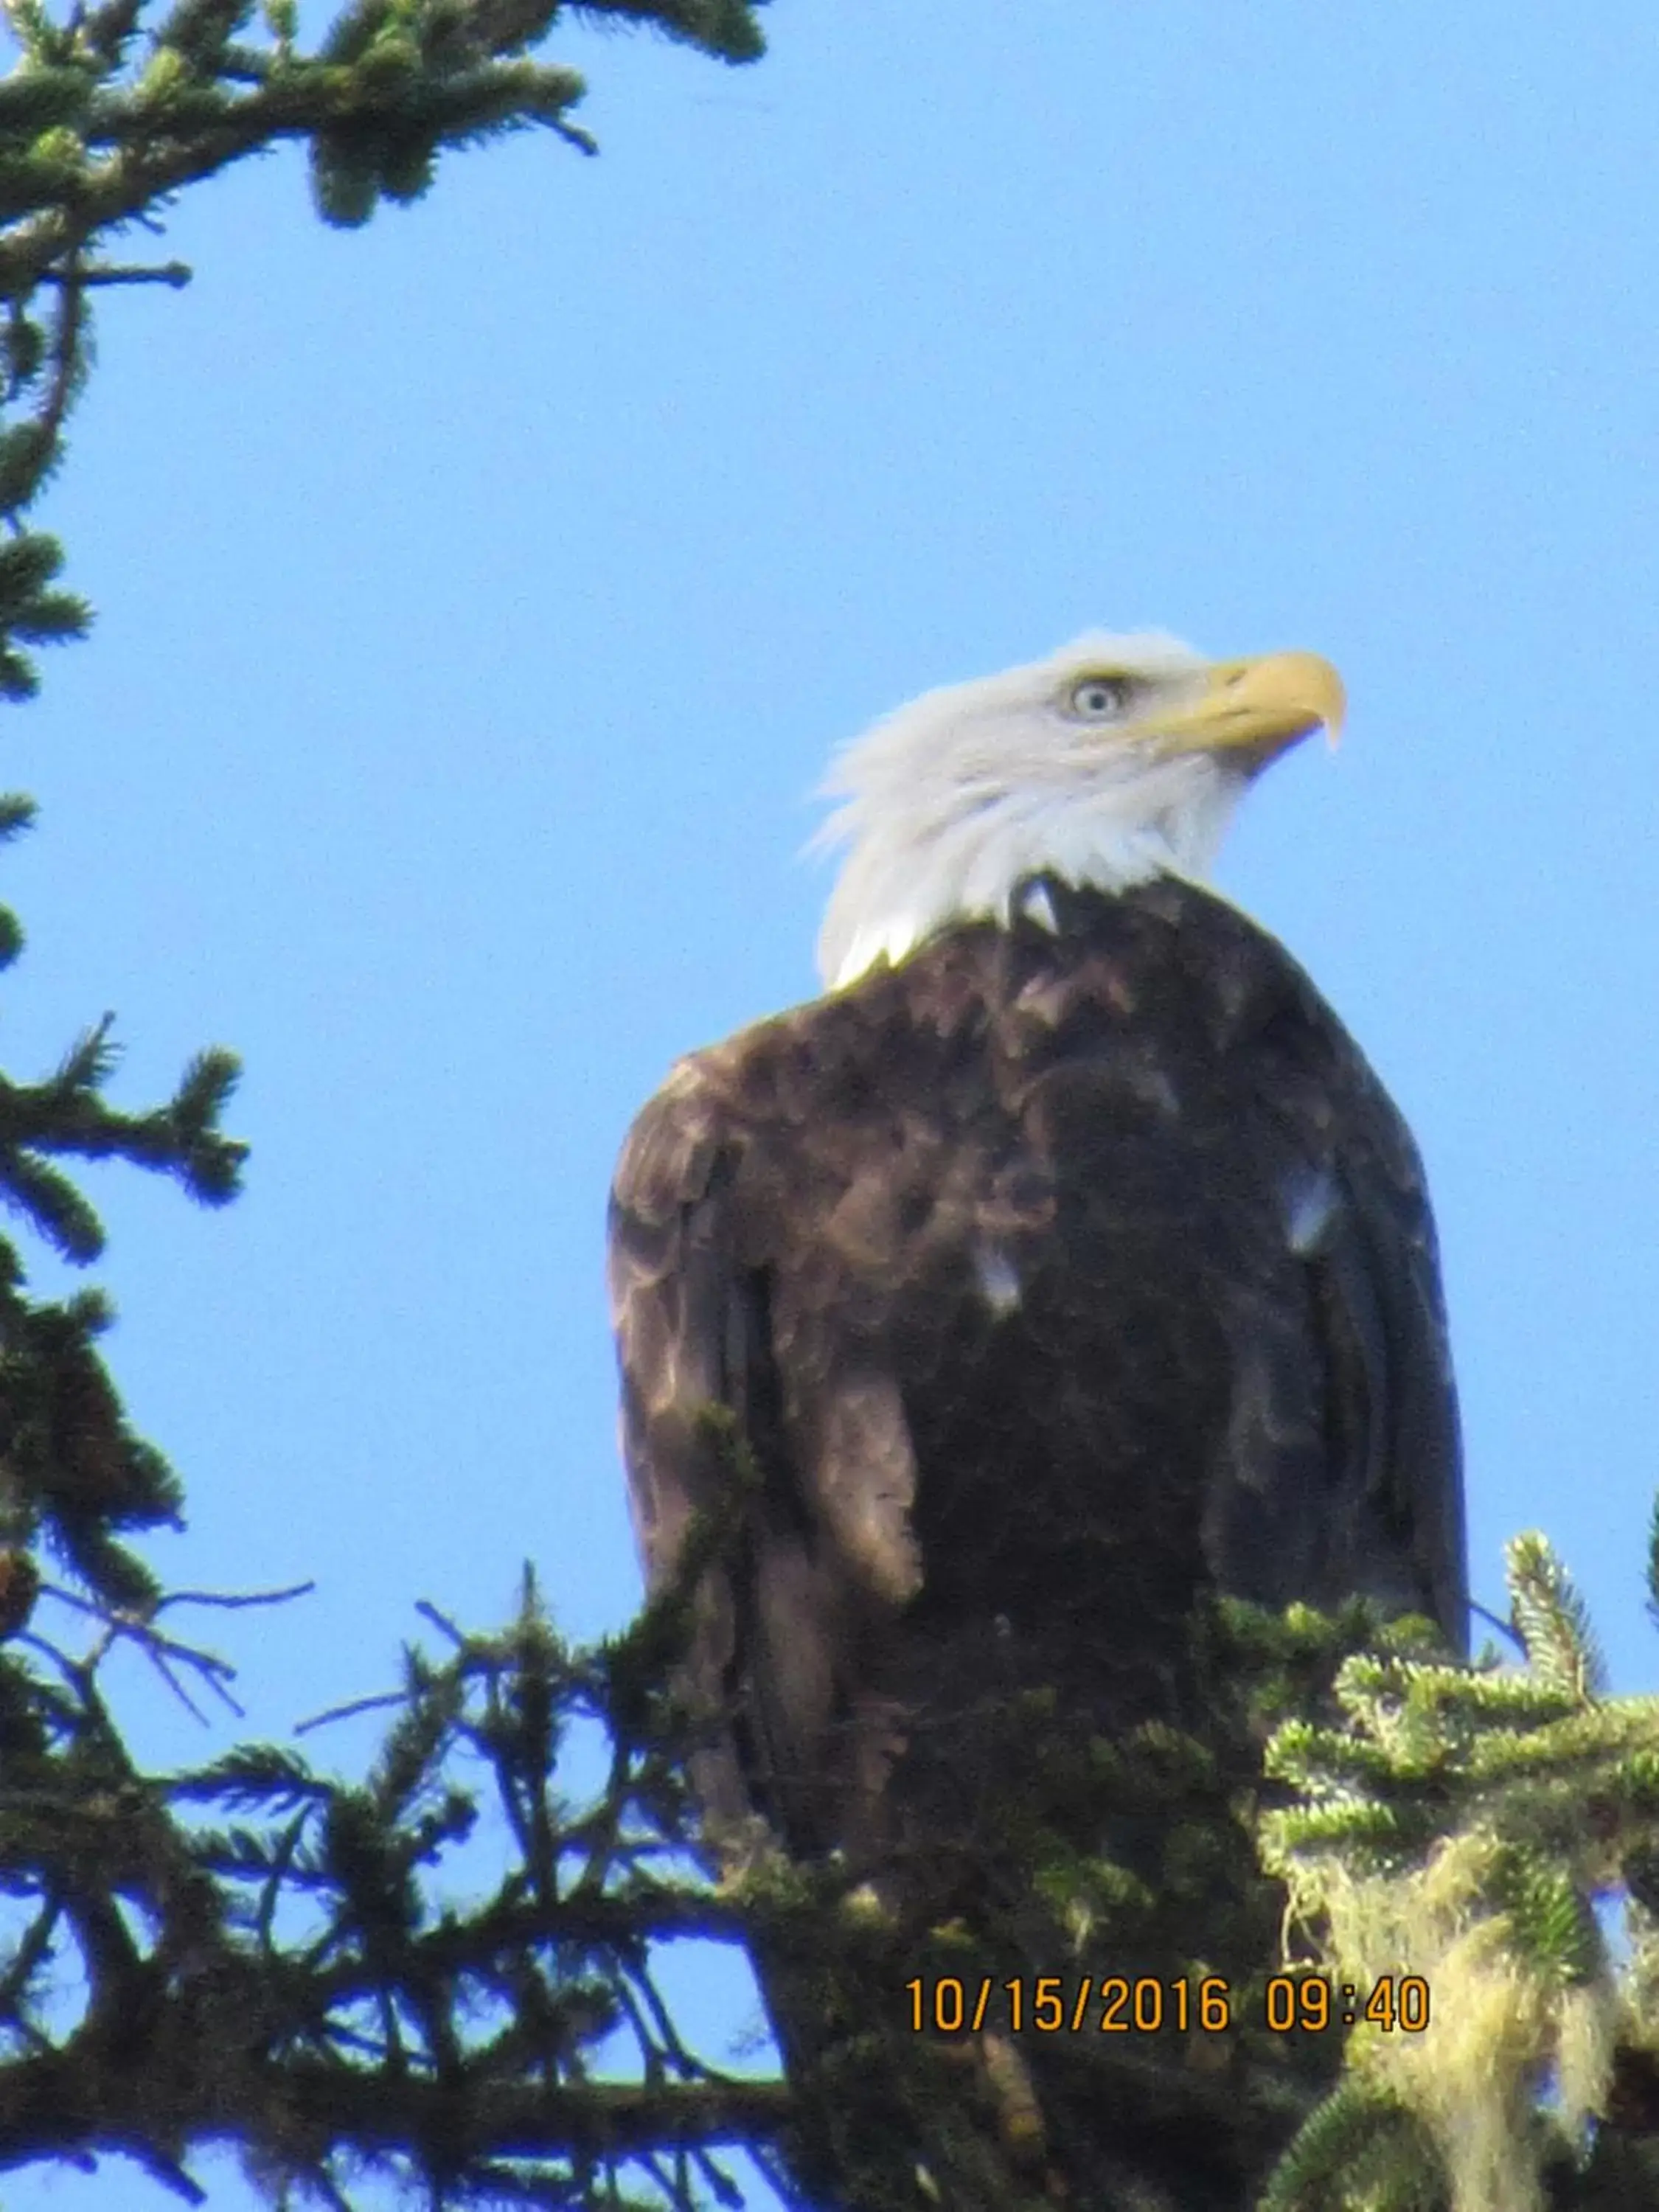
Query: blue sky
(481, 594)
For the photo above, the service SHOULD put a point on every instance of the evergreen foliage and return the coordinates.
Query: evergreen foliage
(111, 110)
(1455, 1838)
(254, 1952)
(280, 1960)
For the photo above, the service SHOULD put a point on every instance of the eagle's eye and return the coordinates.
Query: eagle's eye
(1103, 698)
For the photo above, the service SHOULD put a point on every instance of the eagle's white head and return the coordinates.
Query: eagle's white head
(1116, 759)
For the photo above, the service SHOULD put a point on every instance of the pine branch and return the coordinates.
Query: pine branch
(265, 1953)
(383, 2027)
(1459, 1827)
(95, 137)
(1552, 1619)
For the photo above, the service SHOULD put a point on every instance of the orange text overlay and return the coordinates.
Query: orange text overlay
(1144, 2004)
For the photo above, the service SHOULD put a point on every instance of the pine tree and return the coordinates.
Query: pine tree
(265, 1954)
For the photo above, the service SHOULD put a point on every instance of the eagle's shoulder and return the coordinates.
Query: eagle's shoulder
(670, 1149)
(711, 1105)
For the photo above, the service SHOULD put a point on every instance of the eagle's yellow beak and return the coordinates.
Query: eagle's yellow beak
(1258, 706)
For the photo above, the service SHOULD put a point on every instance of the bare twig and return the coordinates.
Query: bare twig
(379, 1703)
(233, 1600)
(441, 1622)
(164, 1653)
(177, 274)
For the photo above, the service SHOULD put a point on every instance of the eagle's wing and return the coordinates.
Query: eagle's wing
(1342, 1470)
(784, 1718)
(1344, 1474)
(1382, 1264)
(677, 1311)
(669, 1274)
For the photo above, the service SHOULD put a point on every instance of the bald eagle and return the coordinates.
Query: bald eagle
(1064, 1261)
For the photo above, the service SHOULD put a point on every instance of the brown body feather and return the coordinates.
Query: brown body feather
(1052, 1277)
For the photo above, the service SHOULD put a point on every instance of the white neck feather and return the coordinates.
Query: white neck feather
(927, 849)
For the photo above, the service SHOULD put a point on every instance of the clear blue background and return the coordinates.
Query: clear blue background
(480, 596)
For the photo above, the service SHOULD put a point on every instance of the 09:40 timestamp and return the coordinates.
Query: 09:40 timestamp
(1115, 2004)
(1396, 2003)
